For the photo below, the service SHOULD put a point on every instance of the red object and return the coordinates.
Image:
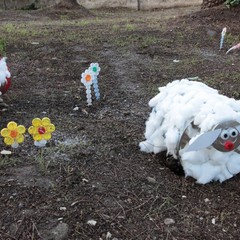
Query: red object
(6, 86)
(41, 130)
(229, 145)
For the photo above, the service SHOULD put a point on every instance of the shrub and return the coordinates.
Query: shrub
(232, 3)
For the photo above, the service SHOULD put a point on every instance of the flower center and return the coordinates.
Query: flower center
(41, 130)
(13, 133)
(88, 77)
(95, 69)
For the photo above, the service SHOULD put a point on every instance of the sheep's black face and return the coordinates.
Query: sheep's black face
(229, 138)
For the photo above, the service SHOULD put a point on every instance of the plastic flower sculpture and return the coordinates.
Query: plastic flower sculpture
(13, 134)
(94, 67)
(87, 77)
(87, 80)
(41, 131)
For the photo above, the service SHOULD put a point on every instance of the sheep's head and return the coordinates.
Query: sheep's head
(225, 137)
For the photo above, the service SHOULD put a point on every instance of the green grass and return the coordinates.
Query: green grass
(231, 39)
(2, 47)
(130, 27)
(13, 32)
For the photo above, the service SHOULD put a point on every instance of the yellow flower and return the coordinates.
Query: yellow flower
(41, 129)
(13, 134)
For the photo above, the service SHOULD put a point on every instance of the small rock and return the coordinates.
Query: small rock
(63, 208)
(109, 235)
(151, 180)
(6, 152)
(60, 232)
(214, 221)
(76, 109)
(84, 180)
(169, 221)
(211, 33)
(74, 203)
(92, 222)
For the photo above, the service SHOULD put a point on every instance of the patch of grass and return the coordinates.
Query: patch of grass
(231, 39)
(149, 40)
(15, 32)
(64, 17)
(130, 27)
(82, 23)
(8, 161)
(2, 47)
(136, 40)
(41, 160)
(115, 27)
(9, 27)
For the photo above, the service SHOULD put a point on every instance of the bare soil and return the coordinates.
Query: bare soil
(92, 168)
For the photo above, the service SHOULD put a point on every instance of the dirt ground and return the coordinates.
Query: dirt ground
(91, 181)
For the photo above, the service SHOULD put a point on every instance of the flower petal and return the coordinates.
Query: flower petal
(21, 129)
(46, 121)
(20, 138)
(36, 122)
(12, 125)
(8, 140)
(47, 136)
(33, 130)
(37, 137)
(5, 132)
(50, 128)
(30, 130)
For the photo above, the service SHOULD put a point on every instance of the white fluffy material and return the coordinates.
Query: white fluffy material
(173, 109)
(4, 72)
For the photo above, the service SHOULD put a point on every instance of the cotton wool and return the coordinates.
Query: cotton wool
(5, 76)
(197, 126)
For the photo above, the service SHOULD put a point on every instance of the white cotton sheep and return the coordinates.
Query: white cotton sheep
(198, 126)
(5, 76)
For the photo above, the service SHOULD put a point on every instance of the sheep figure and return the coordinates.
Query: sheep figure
(197, 126)
(5, 81)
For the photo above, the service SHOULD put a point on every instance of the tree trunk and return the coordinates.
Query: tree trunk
(211, 3)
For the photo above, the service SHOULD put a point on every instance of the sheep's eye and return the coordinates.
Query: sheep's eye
(224, 135)
(233, 132)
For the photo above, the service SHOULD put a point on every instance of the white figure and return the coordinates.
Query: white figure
(87, 80)
(198, 126)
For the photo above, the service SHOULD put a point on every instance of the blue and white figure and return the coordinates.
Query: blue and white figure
(222, 37)
(94, 67)
(87, 80)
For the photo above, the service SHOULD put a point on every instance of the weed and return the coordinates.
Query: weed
(64, 17)
(2, 47)
(115, 27)
(82, 23)
(130, 27)
(8, 161)
(231, 39)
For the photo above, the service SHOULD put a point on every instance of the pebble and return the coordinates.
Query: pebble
(169, 221)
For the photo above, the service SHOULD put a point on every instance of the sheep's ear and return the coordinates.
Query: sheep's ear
(205, 140)
(238, 128)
